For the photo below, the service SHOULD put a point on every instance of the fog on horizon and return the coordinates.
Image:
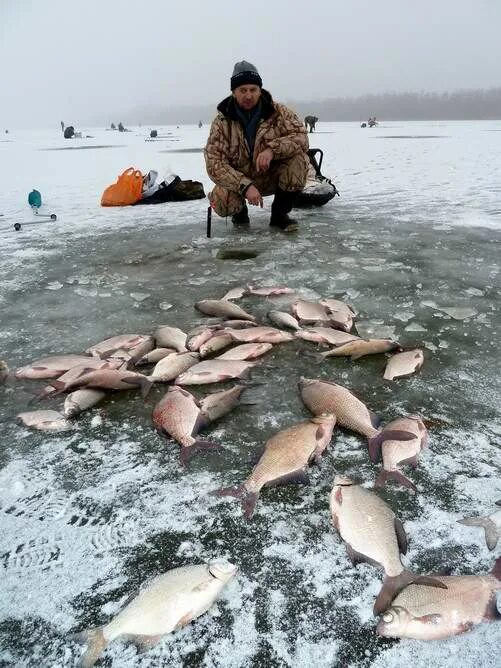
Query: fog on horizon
(93, 62)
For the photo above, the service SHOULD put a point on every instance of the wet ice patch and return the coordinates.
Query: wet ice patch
(54, 285)
(374, 329)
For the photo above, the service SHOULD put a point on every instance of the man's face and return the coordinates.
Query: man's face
(247, 96)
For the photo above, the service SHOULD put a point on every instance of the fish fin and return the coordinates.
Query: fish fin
(320, 433)
(398, 435)
(430, 619)
(335, 324)
(374, 445)
(145, 643)
(256, 457)
(338, 495)
(185, 619)
(410, 461)
(144, 383)
(248, 499)
(491, 530)
(397, 476)
(393, 585)
(58, 385)
(95, 641)
(187, 452)
(299, 477)
(496, 571)
(492, 613)
(201, 423)
(356, 557)
(375, 419)
(498, 502)
(401, 536)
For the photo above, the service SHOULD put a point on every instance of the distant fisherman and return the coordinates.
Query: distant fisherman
(256, 147)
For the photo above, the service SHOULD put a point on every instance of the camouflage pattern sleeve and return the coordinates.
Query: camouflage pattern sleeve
(292, 137)
(217, 158)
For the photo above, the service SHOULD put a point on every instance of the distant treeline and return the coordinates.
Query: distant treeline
(459, 105)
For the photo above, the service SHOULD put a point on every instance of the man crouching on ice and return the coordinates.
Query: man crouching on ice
(256, 147)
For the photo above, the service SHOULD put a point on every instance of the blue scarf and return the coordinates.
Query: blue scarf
(250, 122)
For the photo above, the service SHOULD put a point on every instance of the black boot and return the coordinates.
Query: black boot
(280, 209)
(242, 217)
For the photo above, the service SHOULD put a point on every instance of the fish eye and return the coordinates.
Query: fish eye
(387, 617)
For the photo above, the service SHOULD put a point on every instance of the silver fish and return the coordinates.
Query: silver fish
(372, 533)
(171, 366)
(400, 442)
(235, 293)
(109, 379)
(246, 351)
(52, 367)
(122, 341)
(321, 396)
(238, 324)
(309, 313)
(198, 336)
(490, 524)
(361, 347)
(81, 400)
(404, 364)
(269, 292)
(214, 371)
(217, 404)
(44, 420)
(259, 335)
(427, 613)
(67, 379)
(283, 319)
(223, 308)
(167, 603)
(218, 342)
(170, 337)
(181, 416)
(285, 459)
(325, 335)
(341, 315)
(154, 356)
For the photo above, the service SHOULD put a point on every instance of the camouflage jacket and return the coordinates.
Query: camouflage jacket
(227, 153)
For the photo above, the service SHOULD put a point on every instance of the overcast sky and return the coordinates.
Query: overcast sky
(79, 60)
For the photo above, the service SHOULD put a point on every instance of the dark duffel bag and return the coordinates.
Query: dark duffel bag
(176, 191)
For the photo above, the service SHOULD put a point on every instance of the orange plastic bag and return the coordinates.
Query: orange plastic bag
(127, 190)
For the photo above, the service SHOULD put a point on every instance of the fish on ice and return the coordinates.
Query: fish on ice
(322, 396)
(490, 524)
(165, 604)
(47, 420)
(170, 337)
(429, 613)
(404, 364)
(214, 371)
(374, 534)
(222, 308)
(285, 459)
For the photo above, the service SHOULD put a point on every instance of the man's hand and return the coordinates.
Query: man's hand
(253, 196)
(263, 160)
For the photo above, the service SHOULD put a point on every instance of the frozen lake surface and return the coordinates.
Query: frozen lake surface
(413, 243)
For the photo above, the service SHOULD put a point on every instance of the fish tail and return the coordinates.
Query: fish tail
(187, 452)
(496, 571)
(397, 476)
(146, 386)
(491, 530)
(374, 444)
(248, 499)
(95, 641)
(393, 585)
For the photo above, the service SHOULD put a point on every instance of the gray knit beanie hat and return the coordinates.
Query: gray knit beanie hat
(245, 73)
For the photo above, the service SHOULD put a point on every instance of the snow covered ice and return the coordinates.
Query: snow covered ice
(88, 515)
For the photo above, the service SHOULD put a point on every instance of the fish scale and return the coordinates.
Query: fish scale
(367, 524)
(288, 451)
(326, 397)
